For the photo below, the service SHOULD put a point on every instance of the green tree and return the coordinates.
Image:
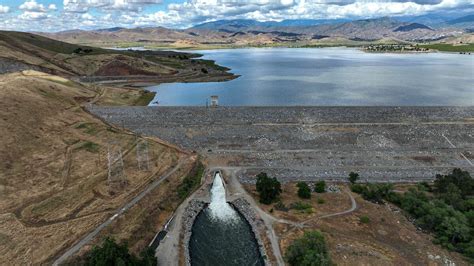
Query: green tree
(304, 191)
(309, 250)
(448, 212)
(453, 196)
(112, 253)
(353, 177)
(461, 179)
(269, 189)
(320, 187)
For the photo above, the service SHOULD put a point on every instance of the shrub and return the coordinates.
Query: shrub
(320, 187)
(90, 147)
(374, 192)
(308, 250)
(448, 213)
(279, 206)
(321, 201)
(461, 179)
(191, 181)
(364, 219)
(304, 191)
(112, 253)
(302, 207)
(353, 177)
(269, 189)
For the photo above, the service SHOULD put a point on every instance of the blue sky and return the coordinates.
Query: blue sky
(57, 15)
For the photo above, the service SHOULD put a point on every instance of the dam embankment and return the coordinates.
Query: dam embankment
(383, 144)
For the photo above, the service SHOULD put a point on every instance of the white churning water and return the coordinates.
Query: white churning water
(219, 208)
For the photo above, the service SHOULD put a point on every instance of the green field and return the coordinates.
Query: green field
(450, 48)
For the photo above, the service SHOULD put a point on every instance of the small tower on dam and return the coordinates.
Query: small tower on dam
(214, 101)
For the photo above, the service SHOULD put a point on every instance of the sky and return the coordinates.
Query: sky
(59, 15)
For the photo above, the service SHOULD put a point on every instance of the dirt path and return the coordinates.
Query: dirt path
(237, 190)
(353, 208)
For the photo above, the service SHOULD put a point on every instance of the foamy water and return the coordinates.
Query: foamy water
(219, 208)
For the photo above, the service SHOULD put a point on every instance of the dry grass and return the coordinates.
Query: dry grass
(53, 166)
(333, 202)
(388, 239)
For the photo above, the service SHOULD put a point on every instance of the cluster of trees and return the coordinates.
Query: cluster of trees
(269, 189)
(304, 191)
(445, 208)
(376, 193)
(112, 253)
(309, 250)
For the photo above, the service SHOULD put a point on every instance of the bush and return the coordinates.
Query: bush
(304, 191)
(353, 177)
(321, 201)
(191, 181)
(269, 189)
(374, 192)
(301, 206)
(448, 213)
(308, 250)
(279, 206)
(364, 219)
(459, 178)
(320, 187)
(111, 253)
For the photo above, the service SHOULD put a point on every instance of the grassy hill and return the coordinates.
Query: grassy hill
(53, 168)
(22, 51)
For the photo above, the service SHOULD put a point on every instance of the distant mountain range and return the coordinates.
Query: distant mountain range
(244, 32)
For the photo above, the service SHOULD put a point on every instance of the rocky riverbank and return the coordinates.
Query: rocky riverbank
(190, 214)
(256, 223)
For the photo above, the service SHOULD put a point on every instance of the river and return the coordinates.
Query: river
(221, 235)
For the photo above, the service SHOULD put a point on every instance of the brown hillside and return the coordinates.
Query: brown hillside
(53, 170)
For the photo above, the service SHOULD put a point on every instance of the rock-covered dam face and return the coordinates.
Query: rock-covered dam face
(308, 143)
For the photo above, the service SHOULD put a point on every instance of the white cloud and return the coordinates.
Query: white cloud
(87, 16)
(192, 11)
(4, 9)
(31, 15)
(93, 14)
(82, 6)
(32, 6)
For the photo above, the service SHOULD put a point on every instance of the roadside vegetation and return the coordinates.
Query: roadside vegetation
(269, 189)
(309, 250)
(113, 253)
(445, 208)
(191, 181)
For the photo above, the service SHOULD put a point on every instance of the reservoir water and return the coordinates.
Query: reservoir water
(221, 236)
(330, 76)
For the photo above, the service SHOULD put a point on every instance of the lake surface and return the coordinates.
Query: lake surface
(330, 76)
